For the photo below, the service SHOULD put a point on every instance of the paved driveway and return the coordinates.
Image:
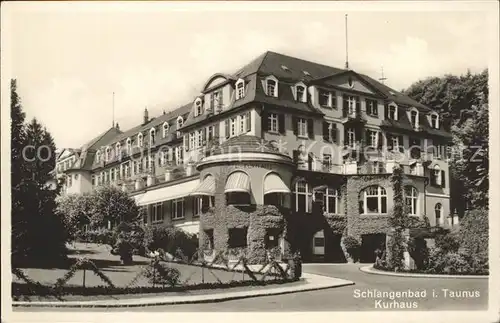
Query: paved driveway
(344, 298)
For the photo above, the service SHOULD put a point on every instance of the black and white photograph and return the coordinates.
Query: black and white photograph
(207, 158)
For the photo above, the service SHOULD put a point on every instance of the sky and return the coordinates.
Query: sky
(69, 62)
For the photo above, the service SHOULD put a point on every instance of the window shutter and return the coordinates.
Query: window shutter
(295, 156)
(367, 138)
(326, 131)
(295, 126)
(443, 179)
(380, 140)
(386, 111)
(216, 130)
(204, 136)
(264, 121)
(432, 178)
(226, 126)
(309, 162)
(344, 105)
(401, 144)
(358, 105)
(310, 128)
(186, 143)
(248, 122)
(281, 123)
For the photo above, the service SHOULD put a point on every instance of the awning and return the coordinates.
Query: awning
(169, 192)
(274, 184)
(207, 187)
(237, 182)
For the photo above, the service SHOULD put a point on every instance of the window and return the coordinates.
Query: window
(178, 209)
(118, 151)
(327, 161)
(126, 169)
(372, 107)
(165, 129)
(129, 145)
(152, 136)
(112, 175)
(199, 138)
(392, 112)
(192, 140)
(277, 199)
(415, 148)
(300, 93)
(238, 198)
(93, 179)
(327, 99)
(351, 106)
(180, 122)
(351, 138)
(331, 201)
(373, 200)
(108, 154)
(157, 213)
(216, 100)
(414, 119)
(271, 88)
(303, 197)
(372, 138)
(438, 210)
(97, 158)
(202, 203)
(240, 89)
(302, 127)
(411, 200)
(198, 107)
(437, 175)
(273, 122)
(242, 124)
(178, 155)
(139, 140)
(210, 133)
(434, 121)
(232, 129)
(237, 237)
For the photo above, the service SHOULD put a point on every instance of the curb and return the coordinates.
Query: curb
(198, 299)
(373, 271)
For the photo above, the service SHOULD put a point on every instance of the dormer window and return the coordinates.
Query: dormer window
(108, 154)
(271, 86)
(300, 93)
(180, 122)
(240, 89)
(152, 136)
(216, 100)
(435, 120)
(139, 140)
(327, 99)
(414, 118)
(198, 107)
(165, 129)
(129, 145)
(118, 149)
(97, 157)
(392, 112)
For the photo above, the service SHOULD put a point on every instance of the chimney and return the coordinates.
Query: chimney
(117, 126)
(146, 116)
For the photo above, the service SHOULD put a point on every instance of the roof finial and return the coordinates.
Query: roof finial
(113, 116)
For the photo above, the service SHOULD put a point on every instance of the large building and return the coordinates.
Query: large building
(283, 154)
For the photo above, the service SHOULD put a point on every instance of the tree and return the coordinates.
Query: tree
(463, 102)
(75, 211)
(111, 205)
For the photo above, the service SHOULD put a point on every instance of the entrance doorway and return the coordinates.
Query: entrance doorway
(369, 244)
(318, 245)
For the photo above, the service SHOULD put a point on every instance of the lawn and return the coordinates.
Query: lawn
(124, 276)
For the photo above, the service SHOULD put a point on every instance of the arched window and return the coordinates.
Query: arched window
(180, 122)
(240, 89)
(97, 157)
(237, 188)
(152, 136)
(414, 118)
(272, 87)
(165, 129)
(108, 154)
(303, 197)
(373, 200)
(198, 107)
(435, 120)
(139, 140)
(331, 201)
(438, 211)
(411, 200)
(437, 175)
(129, 145)
(118, 150)
(300, 93)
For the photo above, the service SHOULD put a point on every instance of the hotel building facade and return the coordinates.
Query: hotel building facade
(284, 154)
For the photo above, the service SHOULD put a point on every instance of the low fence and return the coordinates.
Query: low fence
(161, 273)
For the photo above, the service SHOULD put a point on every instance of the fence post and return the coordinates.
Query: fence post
(83, 277)
(202, 273)
(154, 275)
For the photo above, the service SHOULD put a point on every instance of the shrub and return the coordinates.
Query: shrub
(417, 247)
(474, 231)
(352, 247)
(170, 239)
(448, 263)
(447, 242)
(160, 273)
